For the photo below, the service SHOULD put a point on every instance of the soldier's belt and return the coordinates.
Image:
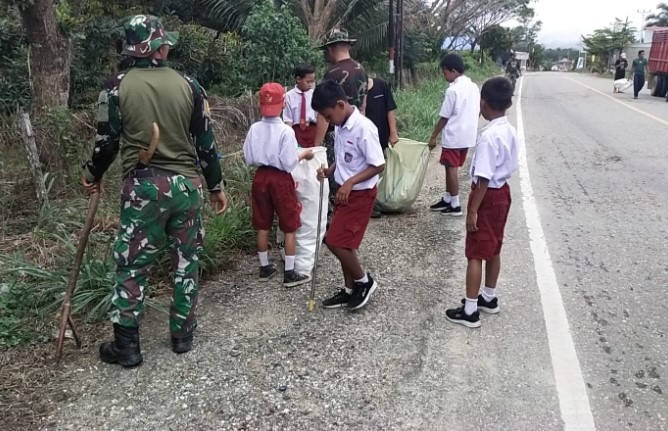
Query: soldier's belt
(150, 173)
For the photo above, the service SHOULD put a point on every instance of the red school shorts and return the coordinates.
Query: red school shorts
(492, 216)
(453, 157)
(274, 191)
(306, 137)
(350, 221)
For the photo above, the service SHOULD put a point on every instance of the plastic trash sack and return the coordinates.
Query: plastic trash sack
(308, 193)
(623, 84)
(404, 174)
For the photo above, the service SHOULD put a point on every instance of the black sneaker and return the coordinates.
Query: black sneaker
(362, 293)
(440, 205)
(266, 272)
(453, 211)
(457, 315)
(294, 279)
(489, 307)
(339, 300)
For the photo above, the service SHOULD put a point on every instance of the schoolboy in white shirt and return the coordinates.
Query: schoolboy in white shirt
(494, 161)
(271, 146)
(298, 112)
(459, 127)
(358, 161)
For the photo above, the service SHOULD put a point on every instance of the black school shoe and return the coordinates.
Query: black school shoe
(294, 279)
(457, 315)
(266, 272)
(489, 307)
(440, 205)
(339, 300)
(452, 211)
(362, 293)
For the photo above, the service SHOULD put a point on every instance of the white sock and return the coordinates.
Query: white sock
(348, 291)
(454, 202)
(289, 263)
(470, 306)
(363, 280)
(446, 197)
(264, 257)
(488, 293)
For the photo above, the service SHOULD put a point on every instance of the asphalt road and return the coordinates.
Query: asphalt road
(595, 162)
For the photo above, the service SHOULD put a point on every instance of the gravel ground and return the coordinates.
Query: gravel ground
(262, 362)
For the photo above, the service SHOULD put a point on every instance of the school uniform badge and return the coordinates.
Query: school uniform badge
(348, 157)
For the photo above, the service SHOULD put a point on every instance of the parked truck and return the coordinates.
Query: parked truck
(658, 64)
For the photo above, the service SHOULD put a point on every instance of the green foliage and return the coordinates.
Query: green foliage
(14, 87)
(603, 42)
(660, 17)
(497, 42)
(275, 42)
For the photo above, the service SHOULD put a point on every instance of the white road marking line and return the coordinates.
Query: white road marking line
(573, 400)
(632, 108)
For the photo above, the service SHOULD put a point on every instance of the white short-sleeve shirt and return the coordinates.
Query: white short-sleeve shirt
(496, 154)
(271, 142)
(293, 106)
(356, 146)
(461, 106)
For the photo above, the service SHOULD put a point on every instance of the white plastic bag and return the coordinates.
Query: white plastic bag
(405, 170)
(308, 193)
(623, 84)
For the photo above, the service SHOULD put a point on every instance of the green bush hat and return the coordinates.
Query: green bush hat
(337, 35)
(144, 34)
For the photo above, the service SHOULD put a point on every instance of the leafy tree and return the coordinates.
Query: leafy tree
(496, 42)
(604, 42)
(660, 17)
(275, 42)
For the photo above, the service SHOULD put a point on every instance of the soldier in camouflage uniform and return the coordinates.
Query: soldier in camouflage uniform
(351, 76)
(161, 197)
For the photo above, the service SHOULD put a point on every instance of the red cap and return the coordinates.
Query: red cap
(272, 99)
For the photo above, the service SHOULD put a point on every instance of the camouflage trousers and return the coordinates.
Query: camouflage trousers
(329, 145)
(151, 208)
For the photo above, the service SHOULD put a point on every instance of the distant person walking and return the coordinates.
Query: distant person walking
(620, 71)
(638, 67)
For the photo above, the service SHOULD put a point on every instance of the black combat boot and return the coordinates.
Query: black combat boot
(183, 344)
(124, 350)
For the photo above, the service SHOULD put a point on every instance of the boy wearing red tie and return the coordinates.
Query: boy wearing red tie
(298, 113)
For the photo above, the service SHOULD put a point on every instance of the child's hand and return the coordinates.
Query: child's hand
(432, 143)
(472, 222)
(308, 155)
(343, 193)
(323, 173)
(394, 138)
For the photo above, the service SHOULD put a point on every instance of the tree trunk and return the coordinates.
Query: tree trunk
(33, 157)
(49, 60)
(49, 56)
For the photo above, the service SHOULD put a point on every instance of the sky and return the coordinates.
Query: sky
(565, 20)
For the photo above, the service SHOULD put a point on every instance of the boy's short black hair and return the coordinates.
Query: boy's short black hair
(303, 69)
(642, 51)
(497, 93)
(327, 94)
(453, 62)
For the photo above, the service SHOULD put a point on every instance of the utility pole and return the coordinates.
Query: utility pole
(391, 38)
(643, 13)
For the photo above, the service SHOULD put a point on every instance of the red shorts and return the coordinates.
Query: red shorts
(350, 220)
(492, 215)
(306, 137)
(453, 157)
(274, 191)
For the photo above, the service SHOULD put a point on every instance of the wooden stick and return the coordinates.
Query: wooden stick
(66, 318)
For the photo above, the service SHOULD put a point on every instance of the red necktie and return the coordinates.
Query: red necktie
(302, 119)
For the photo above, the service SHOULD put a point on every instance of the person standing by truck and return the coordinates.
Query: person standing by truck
(620, 71)
(638, 67)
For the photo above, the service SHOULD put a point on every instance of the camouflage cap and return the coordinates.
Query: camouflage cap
(337, 35)
(144, 34)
